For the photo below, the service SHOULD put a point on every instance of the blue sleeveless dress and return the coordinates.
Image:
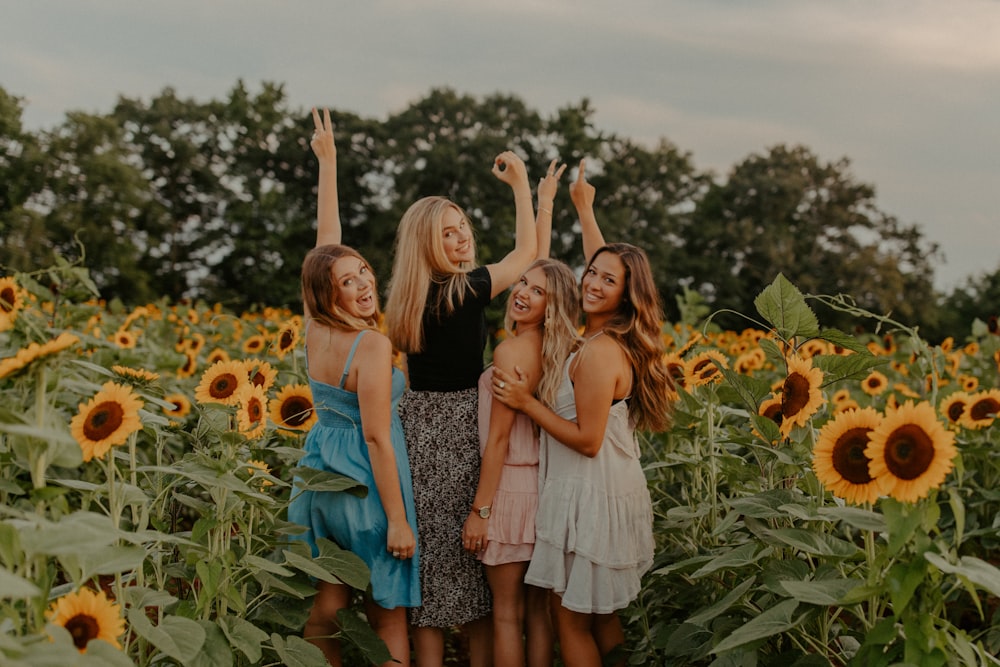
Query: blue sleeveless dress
(336, 444)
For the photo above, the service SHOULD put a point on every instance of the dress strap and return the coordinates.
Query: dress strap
(350, 357)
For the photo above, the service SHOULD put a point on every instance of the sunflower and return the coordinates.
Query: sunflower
(11, 301)
(261, 373)
(982, 409)
(182, 406)
(217, 355)
(953, 408)
(675, 368)
(254, 344)
(874, 384)
(255, 467)
(140, 374)
(904, 390)
(813, 347)
(286, 340)
(292, 409)
(968, 382)
(971, 349)
(843, 406)
(750, 361)
(124, 339)
(841, 395)
(911, 452)
(34, 351)
(700, 369)
(221, 382)
(252, 412)
(801, 397)
(108, 419)
(839, 459)
(692, 341)
(88, 615)
(189, 366)
(770, 408)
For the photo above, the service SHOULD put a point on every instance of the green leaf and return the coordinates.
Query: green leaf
(310, 479)
(74, 533)
(355, 630)
(15, 586)
(333, 565)
(825, 592)
(811, 542)
(902, 581)
(784, 307)
(243, 636)
(751, 390)
(732, 558)
(708, 613)
(111, 559)
(770, 622)
(970, 568)
(268, 565)
(180, 638)
(856, 517)
(844, 340)
(215, 651)
(846, 367)
(297, 652)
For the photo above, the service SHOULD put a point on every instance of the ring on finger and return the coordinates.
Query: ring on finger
(502, 384)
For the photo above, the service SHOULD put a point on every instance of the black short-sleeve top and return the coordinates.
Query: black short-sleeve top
(452, 358)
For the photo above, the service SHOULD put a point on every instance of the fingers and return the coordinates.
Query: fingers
(316, 121)
(559, 172)
(327, 125)
(581, 175)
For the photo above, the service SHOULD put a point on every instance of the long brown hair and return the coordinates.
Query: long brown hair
(320, 290)
(637, 328)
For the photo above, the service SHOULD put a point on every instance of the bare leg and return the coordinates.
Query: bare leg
(608, 633)
(322, 621)
(538, 627)
(507, 584)
(390, 624)
(576, 639)
(428, 643)
(480, 634)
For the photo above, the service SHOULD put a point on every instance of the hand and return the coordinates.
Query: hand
(400, 541)
(510, 169)
(509, 389)
(580, 191)
(322, 138)
(474, 533)
(548, 185)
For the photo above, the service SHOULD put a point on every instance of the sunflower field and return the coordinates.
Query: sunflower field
(820, 499)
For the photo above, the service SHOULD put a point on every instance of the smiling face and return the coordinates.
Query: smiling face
(528, 298)
(355, 287)
(603, 285)
(457, 237)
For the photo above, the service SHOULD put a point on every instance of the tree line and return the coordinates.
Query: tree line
(184, 199)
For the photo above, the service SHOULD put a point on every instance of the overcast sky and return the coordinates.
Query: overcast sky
(907, 90)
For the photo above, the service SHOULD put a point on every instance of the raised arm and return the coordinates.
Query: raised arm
(582, 194)
(327, 206)
(546, 200)
(510, 169)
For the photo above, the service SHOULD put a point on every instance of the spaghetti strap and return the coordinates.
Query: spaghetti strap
(350, 357)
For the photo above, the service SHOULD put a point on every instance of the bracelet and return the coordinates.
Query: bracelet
(547, 210)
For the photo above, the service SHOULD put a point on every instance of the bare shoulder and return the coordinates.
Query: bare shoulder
(375, 344)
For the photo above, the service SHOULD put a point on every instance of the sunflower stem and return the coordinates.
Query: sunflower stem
(39, 454)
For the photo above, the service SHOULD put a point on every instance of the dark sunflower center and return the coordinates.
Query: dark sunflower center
(223, 386)
(849, 455)
(704, 369)
(955, 411)
(773, 412)
(874, 383)
(908, 452)
(254, 409)
(103, 420)
(7, 299)
(794, 395)
(676, 371)
(82, 628)
(286, 340)
(295, 411)
(257, 378)
(984, 408)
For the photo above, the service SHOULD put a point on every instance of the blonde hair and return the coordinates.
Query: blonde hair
(559, 330)
(419, 262)
(636, 327)
(320, 290)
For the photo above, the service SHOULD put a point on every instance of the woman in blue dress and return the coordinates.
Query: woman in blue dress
(358, 434)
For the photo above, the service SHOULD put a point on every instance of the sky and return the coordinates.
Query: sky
(907, 90)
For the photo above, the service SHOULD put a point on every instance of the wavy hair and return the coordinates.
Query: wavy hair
(559, 330)
(419, 263)
(637, 328)
(320, 290)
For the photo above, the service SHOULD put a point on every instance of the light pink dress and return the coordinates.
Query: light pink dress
(511, 530)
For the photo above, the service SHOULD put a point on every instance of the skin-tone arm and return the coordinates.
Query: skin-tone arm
(546, 199)
(510, 169)
(495, 453)
(327, 207)
(601, 376)
(582, 194)
(373, 364)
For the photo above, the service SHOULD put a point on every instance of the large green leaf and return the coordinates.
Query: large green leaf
(15, 586)
(310, 479)
(705, 615)
(731, 559)
(332, 564)
(856, 517)
(784, 307)
(243, 636)
(355, 630)
(846, 367)
(216, 651)
(180, 638)
(811, 542)
(970, 568)
(296, 652)
(770, 622)
(825, 592)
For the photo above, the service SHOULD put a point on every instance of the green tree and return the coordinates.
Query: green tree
(787, 212)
